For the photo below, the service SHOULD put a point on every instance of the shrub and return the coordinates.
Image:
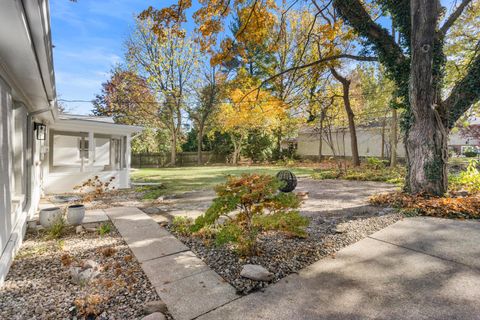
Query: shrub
(375, 163)
(182, 225)
(94, 188)
(470, 154)
(104, 229)
(258, 207)
(369, 172)
(57, 230)
(468, 179)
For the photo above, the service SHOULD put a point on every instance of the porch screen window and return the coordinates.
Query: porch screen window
(68, 151)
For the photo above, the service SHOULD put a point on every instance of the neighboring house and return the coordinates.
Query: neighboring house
(369, 139)
(42, 151)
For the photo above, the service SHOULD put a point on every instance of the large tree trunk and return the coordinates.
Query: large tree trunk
(426, 139)
(350, 115)
(320, 136)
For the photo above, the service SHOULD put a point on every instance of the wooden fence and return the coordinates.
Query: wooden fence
(159, 160)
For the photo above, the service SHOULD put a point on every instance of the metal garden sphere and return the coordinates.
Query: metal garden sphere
(289, 180)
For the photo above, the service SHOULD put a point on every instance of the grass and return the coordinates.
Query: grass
(184, 179)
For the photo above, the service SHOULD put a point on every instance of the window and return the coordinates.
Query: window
(68, 151)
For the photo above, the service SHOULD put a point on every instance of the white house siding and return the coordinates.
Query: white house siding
(369, 143)
(5, 172)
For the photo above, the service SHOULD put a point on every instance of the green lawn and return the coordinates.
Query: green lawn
(178, 180)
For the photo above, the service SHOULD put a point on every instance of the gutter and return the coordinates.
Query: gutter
(37, 60)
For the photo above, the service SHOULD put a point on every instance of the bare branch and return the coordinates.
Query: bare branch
(320, 61)
(464, 94)
(453, 17)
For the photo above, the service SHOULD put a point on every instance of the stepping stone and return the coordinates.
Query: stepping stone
(174, 267)
(97, 215)
(193, 296)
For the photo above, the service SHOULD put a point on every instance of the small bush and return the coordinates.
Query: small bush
(258, 207)
(369, 172)
(468, 179)
(57, 230)
(104, 229)
(375, 163)
(182, 225)
(470, 154)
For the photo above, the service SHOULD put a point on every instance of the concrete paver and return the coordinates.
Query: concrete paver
(173, 267)
(449, 239)
(183, 281)
(373, 279)
(193, 296)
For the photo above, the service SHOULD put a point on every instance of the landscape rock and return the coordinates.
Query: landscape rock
(256, 272)
(155, 306)
(152, 210)
(79, 230)
(85, 272)
(155, 316)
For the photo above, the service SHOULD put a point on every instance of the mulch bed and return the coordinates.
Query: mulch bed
(38, 285)
(284, 255)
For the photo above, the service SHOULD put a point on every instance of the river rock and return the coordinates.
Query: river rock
(256, 272)
(155, 316)
(155, 306)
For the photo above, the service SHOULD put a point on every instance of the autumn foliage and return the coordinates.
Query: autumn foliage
(443, 207)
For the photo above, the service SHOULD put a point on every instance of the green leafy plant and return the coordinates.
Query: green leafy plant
(182, 225)
(104, 229)
(57, 230)
(376, 171)
(257, 206)
(468, 179)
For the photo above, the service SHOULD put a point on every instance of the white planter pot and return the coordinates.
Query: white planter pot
(75, 214)
(49, 216)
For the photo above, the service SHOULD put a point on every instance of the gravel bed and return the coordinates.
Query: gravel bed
(38, 285)
(283, 255)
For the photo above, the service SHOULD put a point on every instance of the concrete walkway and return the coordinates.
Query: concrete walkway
(419, 268)
(183, 281)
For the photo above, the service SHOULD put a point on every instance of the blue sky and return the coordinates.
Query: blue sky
(88, 36)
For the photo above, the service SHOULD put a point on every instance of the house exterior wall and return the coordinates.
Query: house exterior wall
(369, 143)
(5, 172)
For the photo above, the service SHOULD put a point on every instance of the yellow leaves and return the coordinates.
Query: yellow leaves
(249, 108)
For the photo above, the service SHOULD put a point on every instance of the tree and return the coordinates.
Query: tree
(417, 66)
(208, 97)
(246, 110)
(167, 61)
(128, 99)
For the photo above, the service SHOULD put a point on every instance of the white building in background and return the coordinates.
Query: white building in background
(42, 151)
(369, 140)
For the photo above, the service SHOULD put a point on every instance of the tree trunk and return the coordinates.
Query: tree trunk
(199, 143)
(393, 139)
(350, 115)
(173, 150)
(320, 136)
(237, 146)
(383, 138)
(426, 139)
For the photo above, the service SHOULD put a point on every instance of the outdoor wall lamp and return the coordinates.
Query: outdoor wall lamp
(41, 130)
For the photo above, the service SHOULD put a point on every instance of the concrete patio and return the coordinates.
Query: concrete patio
(418, 268)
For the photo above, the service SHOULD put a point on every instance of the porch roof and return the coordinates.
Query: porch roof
(104, 125)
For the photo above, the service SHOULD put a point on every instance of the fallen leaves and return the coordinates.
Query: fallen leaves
(443, 207)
